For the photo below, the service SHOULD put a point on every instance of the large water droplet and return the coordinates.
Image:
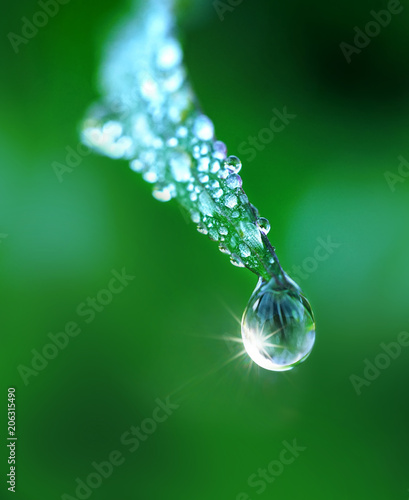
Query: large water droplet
(278, 327)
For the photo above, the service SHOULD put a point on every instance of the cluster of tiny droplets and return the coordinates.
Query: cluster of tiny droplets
(151, 118)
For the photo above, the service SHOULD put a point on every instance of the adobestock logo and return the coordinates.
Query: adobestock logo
(309, 265)
(131, 440)
(382, 361)
(263, 477)
(363, 37)
(88, 309)
(100, 471)
(222, 7)
(403, 173)
(249, 148)
(29, 29)
(73, 159)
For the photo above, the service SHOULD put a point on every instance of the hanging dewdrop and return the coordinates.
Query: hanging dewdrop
(150, 116)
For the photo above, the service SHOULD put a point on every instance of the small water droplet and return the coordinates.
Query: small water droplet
(137, 165)
(157, 143)
(215, 167)
(164, 193)
(278, 327)
(202, 229)
(172, 142)
(230, 201)
(244, 250)
(171, 84)
(112, 129)
(193, 196)
(206, 204)
(219, 150)
(203, 165)
(180, 163)
(213, 234)
(181, 132)
(233, 181)
(195, 217)
(203, 178)
(233, 164)
(223, 230)
(236, 261)
(149, 89)
(263, 224)
(254, 210)
(223, 174)
(150, 176)
(203, 128)
(148, 158)
(250, 233)
(141, 128)
(244, 199)
(196, 151)
(224, 249)
(169, 55)
(218, 193)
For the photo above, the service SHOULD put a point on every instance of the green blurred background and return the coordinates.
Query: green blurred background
(323, 176)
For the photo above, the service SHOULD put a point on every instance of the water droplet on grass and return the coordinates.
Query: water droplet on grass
(203, 128)
(231, 201)
(233, 164)
(264, 225)
(278, 327)
(233, 181)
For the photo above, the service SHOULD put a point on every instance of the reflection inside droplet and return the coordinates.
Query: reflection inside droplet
(278, 327)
